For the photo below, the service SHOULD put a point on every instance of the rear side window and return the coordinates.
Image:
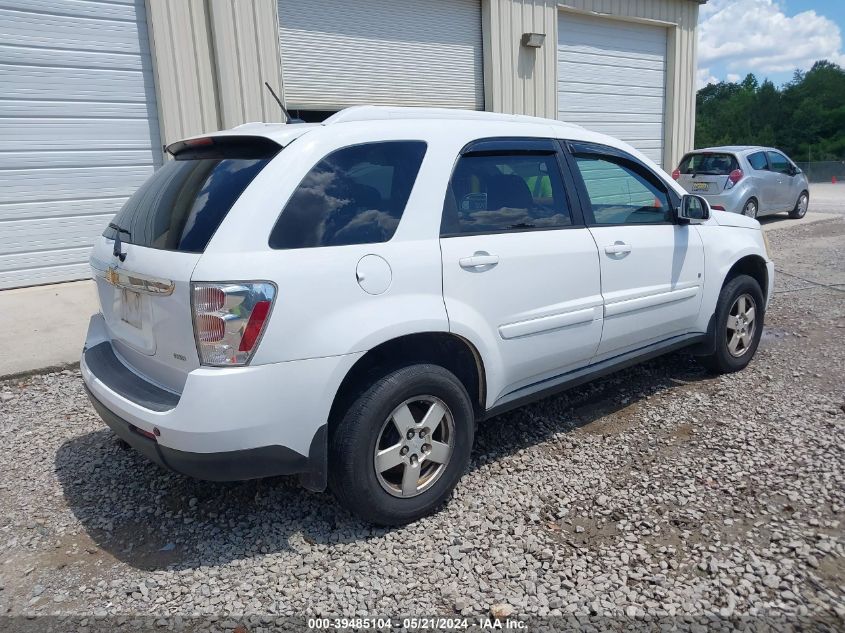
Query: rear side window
(355, 195)
(758, 161)
(497, 193)
(709, 164)
(183, 203)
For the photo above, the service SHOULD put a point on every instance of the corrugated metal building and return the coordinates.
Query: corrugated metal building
(91, 89)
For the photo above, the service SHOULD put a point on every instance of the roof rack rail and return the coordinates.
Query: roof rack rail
(382, 113)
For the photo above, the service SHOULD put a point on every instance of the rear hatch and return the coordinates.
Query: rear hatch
(706, 173)
(144, 260)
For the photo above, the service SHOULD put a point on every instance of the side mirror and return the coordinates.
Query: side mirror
(693, 209)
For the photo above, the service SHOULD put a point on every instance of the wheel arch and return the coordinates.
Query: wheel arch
(445, 349)
(752, 265)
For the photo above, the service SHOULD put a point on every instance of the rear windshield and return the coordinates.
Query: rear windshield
(183, 203)
(709, 164)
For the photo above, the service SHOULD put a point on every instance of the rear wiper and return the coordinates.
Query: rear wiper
(117, 251)
(522, 225)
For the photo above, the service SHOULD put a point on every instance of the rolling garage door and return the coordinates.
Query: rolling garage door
(612, 79)
(419, 53)
(78, 129)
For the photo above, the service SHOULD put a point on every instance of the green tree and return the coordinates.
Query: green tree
(805, 117)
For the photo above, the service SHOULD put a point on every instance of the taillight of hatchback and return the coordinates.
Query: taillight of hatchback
(229, 319)
(734, 177)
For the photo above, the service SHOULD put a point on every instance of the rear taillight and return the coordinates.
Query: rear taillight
(676, 174)
(734, 177)
(229, 319)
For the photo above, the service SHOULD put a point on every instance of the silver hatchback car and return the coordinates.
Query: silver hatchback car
(754, 181)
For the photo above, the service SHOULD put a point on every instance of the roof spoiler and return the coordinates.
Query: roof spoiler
(224, 146)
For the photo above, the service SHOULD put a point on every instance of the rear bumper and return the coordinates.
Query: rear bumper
(731, 201)
(228, 423)
(237, 465)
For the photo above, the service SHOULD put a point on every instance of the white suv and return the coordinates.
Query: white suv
(344, 301)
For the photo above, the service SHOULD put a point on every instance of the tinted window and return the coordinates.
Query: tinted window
(758, 161)
(355, 195)
(779, 163)
(620, 193)
(180, 207)
(493, 193)
(708, 164)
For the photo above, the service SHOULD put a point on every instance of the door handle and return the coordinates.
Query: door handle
(479, 259)
(619, 248)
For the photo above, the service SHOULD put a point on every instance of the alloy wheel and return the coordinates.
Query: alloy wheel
(750, 209)
(414, 446)
(803, 203)
(741, 326)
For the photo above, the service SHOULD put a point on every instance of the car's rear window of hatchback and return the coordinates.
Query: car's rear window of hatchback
(709, 164)
(183, 203)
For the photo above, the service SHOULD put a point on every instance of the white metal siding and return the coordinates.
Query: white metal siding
(78, 129)
(419, 53)
(612, 78)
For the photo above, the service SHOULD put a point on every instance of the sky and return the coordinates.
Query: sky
(770, 38)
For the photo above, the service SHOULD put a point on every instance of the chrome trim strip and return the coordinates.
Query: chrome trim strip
(136, 282)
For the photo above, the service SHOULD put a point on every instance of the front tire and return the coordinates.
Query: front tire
(801, 206)
(402, 446)
(751, 208)
(737, 326)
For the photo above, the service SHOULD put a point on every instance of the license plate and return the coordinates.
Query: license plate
(700, 186)
(130, 307)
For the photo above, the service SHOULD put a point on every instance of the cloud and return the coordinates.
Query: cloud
(757, 36)
(704, 78)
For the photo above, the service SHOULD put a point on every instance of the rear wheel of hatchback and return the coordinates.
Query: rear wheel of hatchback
(403, 444)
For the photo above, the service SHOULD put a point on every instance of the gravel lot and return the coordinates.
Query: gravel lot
(660, 491)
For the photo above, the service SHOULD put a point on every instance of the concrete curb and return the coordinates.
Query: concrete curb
(39, 372)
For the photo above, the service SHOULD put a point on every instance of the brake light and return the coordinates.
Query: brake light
(203, 141)
(229, 319)
(254, 326)
(734, 177)
(676, 174)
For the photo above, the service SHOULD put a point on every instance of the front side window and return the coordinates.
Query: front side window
(505, 192)
(621, 194)
(758, 161)
(779, 163)
(355, 195)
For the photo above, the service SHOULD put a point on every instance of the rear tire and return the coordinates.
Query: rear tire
(737, 326)
(402, 446)
(751, 208)
(801, 206)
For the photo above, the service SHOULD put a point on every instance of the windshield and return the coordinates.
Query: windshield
(182, 204)
(709, 164)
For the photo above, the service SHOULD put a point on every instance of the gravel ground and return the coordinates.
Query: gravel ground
(660, 491)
